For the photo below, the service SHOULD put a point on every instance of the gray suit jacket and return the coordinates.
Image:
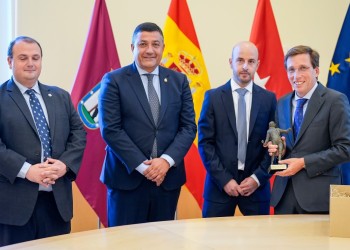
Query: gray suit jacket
(323, 141)
(19, 143)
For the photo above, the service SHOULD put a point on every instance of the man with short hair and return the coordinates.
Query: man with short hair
(147, 119)
(320, 118)
(41, 147)
(233, 155)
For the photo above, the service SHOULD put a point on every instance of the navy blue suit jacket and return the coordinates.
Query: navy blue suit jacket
(218, 141)
(323, 141)
(19, 143)
(128, 128)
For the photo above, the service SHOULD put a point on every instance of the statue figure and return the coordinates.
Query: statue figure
(274, 135)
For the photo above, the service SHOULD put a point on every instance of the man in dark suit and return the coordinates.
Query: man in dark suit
(146, 117)
(37, 165)
(231, 180)
(320, 119)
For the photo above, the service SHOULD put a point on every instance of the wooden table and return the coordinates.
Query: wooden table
(253, 232)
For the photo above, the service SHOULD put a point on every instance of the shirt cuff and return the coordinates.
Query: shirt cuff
(23, 172)
(255, 179)
(141, 168)
(168, 159)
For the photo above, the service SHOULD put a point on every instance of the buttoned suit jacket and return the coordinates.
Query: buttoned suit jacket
(19, 143)
(323, 141)
(129, 130)
(218, 141)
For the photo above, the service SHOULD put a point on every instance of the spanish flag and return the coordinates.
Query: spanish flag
(182, 53)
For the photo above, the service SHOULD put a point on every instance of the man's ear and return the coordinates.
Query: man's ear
(9, 61)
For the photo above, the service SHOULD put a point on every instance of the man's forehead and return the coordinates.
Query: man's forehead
(23, 48)
(149, 34)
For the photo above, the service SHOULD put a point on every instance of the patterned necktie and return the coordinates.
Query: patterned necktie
(40, 123)
(298, 116)
(155, 107)
(242, 125)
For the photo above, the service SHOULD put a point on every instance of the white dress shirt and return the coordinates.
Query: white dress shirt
(23, 172)
(142, 167)
(248, 100)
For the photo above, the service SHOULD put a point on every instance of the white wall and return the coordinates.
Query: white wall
(61, 27)
(6, 34)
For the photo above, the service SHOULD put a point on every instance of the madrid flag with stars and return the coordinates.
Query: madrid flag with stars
(271, 73)
(182, 53)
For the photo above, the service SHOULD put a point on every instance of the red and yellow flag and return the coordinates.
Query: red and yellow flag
(182, 53)
(99, 56)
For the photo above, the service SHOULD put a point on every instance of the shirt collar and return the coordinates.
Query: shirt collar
(143, 72)
(308, 95)
(235, 86)
(23, 89)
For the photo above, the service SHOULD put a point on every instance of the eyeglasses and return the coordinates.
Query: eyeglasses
(301, 69)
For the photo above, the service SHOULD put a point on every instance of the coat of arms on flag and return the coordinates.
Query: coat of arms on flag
(87, 108)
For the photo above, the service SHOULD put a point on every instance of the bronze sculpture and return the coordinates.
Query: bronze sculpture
(274, 135)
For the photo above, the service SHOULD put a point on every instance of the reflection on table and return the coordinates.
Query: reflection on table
(253, 232)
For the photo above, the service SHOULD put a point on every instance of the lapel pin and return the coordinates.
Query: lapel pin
(165, 80)
(49, 95)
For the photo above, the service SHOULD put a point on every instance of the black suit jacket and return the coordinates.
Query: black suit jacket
(128, 128)
(218, 141)
(323, 141)
(19, 143)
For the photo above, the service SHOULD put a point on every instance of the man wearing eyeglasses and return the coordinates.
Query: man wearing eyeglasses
(320, 118)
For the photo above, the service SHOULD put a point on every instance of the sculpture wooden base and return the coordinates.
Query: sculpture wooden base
(277, 167)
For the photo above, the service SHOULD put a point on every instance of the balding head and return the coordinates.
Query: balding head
(244, 62)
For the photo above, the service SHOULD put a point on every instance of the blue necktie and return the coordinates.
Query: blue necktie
(242, 125)
(40, 123)
(298, 116)
(155, 107)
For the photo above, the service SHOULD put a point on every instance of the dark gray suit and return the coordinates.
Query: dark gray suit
(323, 141)
(19, 143)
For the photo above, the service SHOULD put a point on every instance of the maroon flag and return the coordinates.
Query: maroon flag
(99, 56)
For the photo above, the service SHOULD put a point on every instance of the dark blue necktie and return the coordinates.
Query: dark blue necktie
(298, 116)
(40, 123)
(155, 107)
(242, 125)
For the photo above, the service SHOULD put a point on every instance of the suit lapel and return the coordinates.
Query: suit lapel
(49, 100)
(18, 98)
(256, 103)
(285, 118)
(227, 100)
(136, 84)
(165, 92)
(315, 103)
